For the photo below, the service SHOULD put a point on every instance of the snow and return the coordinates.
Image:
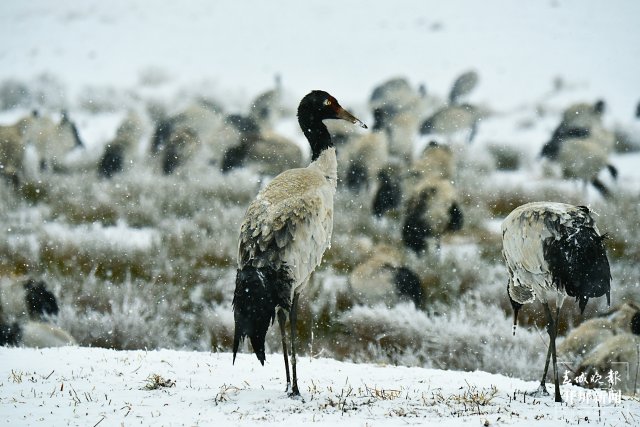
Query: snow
(104, 51)
(119, 237)
(90, 386)
(518, 48)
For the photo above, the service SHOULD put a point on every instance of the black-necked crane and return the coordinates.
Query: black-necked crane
(580, 144)
(454, 122)
(52, 141)
(583, 339)
(553, 249)
(388, 194)
(365, 155)
(24, 308)
(432, 210)
(436, 161)
(118, 153)
(583, 156)
(196, 129)
(616, 360)
(403, 108)
(382, 278)
(259, 148)
(284, 234)
(463, 85)
(579, 120)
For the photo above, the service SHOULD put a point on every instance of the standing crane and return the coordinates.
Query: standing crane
(284, 234)
(553, 249)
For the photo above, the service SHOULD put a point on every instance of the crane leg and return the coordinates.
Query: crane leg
(542, 390)
(282, 319)
(552, 328)
(292, 321)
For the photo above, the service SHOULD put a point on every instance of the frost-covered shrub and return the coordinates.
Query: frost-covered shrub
(19, 236)
(130, 315)
(112, 251)
(469, 335)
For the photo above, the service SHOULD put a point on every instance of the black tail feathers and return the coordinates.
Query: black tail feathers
(579, 264)
(40, 301)
(409, 285)
(259, 291)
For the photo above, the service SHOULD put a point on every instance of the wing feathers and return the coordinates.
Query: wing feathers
(289, 223)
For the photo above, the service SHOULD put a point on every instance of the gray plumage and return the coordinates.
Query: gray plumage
(463, 85)
(453, 120)
(437, 161)
(583, 159)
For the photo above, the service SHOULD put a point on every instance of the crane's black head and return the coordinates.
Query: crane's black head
(315, 107)
(318, 105)
(599, 107)
(638, 111)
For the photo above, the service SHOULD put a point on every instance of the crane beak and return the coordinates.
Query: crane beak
(343, 114)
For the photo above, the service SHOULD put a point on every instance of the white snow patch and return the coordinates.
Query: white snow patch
(118, 237)
(91, 386)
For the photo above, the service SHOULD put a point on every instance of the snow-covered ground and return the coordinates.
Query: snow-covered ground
(118, 52)
(86, 387)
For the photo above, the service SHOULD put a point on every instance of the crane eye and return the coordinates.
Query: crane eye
(327, 102)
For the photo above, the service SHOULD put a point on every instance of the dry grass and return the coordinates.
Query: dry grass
(473, 396)
(156, 382)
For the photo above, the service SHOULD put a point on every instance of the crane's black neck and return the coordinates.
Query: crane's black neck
(316, 133)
